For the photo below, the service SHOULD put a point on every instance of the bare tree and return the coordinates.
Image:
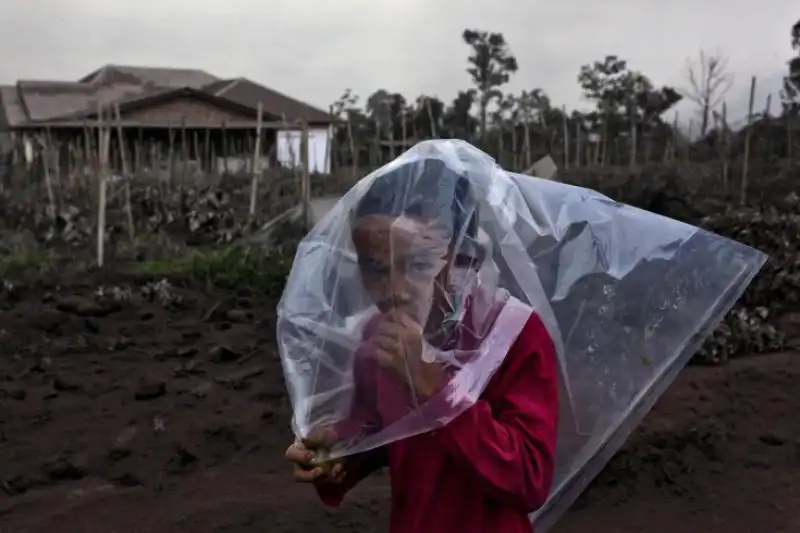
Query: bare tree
(708, 81)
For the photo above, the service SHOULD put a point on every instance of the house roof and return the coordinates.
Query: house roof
(250, 93)
(34, 101)
(159, 76)
(141, 100)
(12, 109)
(3, 119)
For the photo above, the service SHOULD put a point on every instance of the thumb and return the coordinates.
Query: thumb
(319, 438)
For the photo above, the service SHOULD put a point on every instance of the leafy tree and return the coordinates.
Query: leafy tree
(458, 119)
(350, 120)
(491, 65)
(379, 109)
(622, 96)
(504, 121)
(385, 111)
(427, 118)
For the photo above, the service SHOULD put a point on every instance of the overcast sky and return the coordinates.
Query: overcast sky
(313, 49)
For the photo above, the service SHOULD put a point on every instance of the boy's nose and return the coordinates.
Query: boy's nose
(398, 286)
(399, 292)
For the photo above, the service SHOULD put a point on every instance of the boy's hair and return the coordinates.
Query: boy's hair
(427, 189)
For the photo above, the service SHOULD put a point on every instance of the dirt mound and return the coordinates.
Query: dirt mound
(719, 453)
(153, 409)
(137, 389)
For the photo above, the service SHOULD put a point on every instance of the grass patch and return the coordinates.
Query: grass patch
(235, 268)
(24, 264)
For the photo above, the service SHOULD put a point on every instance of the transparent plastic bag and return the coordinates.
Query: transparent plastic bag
(626, 296)
(413, 246)
(635, 294)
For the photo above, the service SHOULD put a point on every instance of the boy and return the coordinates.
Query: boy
(415, 232)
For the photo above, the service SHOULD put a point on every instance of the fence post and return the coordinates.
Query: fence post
(256, 164)
(305, 179)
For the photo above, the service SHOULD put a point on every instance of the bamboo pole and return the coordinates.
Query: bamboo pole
(102, 176)
(208, 164)
(633, 140)
(434, 132)
(354, 156)
(327, 162)
(256, 163)
(184, 164)
(747, 138)
(225, 148)
(127, 175)
(48, 181)
(565, 127)
(725, 147)
(306, 177)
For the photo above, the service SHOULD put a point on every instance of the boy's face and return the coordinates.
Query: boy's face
(403, 262)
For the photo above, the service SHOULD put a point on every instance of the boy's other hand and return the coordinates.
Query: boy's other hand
(302, 455)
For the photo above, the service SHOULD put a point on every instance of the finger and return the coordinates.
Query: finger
(392, 317)
(402, 319)
(384, 357)
(319, 437)
(387, 360)
(389, 343)
(296, 454)
(406, 321)
(307, 476)
(388, 327)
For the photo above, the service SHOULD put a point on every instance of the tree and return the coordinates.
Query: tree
(427, 117)
(603, 83)
(346, 112)
(606, 83)
(388, 112)
(504, 120)
(708, 81)
(458, 119)
(379, 108)
(790, 95)
(624, 98)
(491, 66)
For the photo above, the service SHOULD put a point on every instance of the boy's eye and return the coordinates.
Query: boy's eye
(420, 266)
(373, 267)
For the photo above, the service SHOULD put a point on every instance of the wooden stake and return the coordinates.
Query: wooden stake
(306, 177)
(566, 136)
(256, 163)
(102, 156)
(126, 173)
(747, 136)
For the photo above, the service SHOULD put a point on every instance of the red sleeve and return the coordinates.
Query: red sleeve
(508, 447)
(363, 419)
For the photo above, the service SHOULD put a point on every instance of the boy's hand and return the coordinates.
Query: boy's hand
(400, 346)
(303, 453)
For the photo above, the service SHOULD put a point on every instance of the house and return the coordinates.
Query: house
(202, 117)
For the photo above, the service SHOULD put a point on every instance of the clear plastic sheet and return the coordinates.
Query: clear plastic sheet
(380, 287)
(634, 294)
(626, 296)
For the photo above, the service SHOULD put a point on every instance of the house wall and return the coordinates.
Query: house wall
(319, 158)
(194, 112)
